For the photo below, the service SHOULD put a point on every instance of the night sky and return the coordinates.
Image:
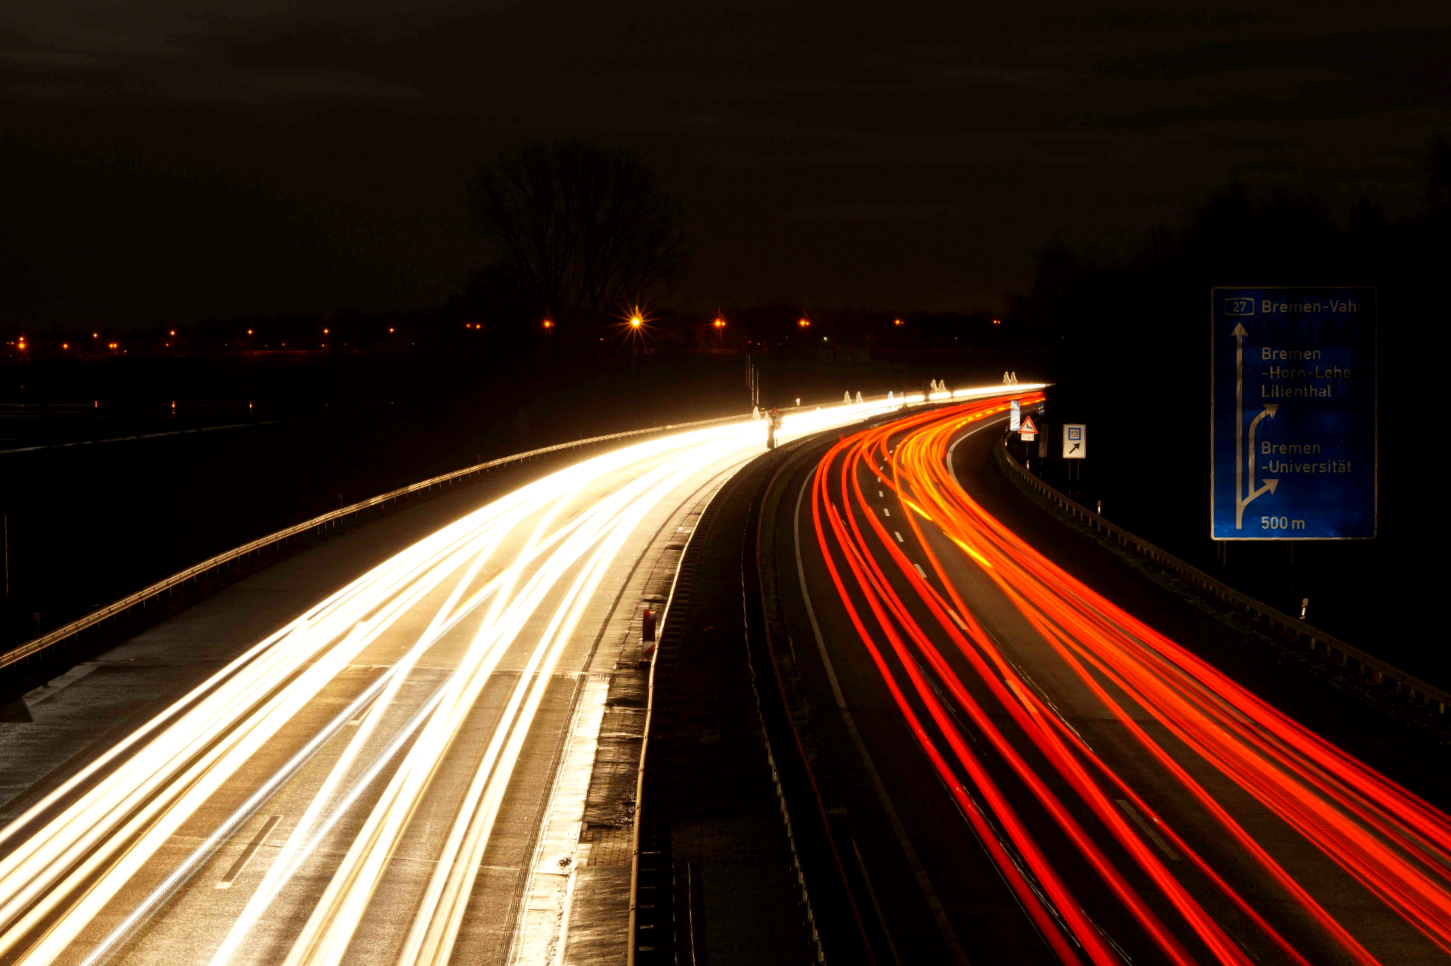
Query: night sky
(190, 159)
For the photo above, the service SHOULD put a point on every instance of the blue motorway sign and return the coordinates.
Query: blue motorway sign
(1293, 452)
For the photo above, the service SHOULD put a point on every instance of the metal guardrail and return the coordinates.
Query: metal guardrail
(1372, 668)
(35, 646)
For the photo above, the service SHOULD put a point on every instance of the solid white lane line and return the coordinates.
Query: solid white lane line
(914, 860)
(543, 917)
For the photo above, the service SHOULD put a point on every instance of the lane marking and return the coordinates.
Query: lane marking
(919, 571)
(872, 893)
(886, 512)
(914, 860)
(542, 930)
(898, 536)
(226, 881)
(953, 614)
(1148, 829)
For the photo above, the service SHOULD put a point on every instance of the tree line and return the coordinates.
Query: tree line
(576, 230)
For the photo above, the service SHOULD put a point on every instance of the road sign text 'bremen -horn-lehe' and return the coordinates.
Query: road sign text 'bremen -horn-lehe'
(1293, 413)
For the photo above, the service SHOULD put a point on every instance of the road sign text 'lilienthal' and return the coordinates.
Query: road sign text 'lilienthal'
(1293, 414)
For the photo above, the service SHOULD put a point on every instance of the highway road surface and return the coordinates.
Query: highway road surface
(1041, 777)
(366, 784)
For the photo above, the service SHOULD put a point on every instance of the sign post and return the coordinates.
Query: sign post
(1293, 414)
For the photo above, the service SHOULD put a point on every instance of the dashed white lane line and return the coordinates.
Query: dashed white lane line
(886, 511)
(919, 571)
(898, 536)
(1148, 829)
(226, 881)
(953, 614)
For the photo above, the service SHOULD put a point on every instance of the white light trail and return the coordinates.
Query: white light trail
(537, 557)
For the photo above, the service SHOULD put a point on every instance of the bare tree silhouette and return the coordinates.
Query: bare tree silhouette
(580, 226)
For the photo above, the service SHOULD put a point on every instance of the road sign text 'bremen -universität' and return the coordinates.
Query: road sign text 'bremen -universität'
(1293, 437)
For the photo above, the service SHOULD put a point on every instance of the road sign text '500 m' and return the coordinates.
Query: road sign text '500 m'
(1293, 414)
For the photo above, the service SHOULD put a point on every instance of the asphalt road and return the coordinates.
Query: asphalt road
(1029, 775)
(396, 775)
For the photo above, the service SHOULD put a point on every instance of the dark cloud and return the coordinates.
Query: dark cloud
(181, 159)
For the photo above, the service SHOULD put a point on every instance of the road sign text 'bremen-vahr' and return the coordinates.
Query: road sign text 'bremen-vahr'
(1293, 414)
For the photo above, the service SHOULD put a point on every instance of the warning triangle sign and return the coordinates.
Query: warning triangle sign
(1027, 427)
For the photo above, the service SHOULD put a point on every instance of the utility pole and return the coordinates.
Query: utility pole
(5, 539)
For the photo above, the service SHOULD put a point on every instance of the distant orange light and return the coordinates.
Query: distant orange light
(720, 323)
(95, 335)
(65, 345)
(325, 331)
(173, 332)
(112, 345)
(249, 331)
(804, 323)
(997, 321)
(549, 323)
(390, 330)
(896, 321)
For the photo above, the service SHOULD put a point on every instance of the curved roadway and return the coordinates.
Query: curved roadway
(1033, 775)
(381, 780)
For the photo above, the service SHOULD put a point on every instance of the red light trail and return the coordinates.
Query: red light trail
(987, 727)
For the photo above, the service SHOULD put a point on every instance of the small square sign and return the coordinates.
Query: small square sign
(1075, 441)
